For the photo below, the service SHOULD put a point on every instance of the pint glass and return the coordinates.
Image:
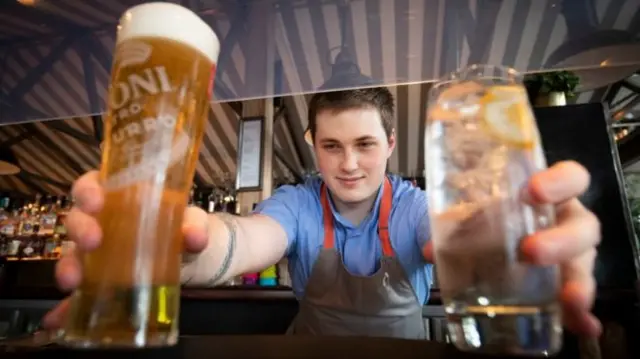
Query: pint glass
(482, 145)
(158, 101)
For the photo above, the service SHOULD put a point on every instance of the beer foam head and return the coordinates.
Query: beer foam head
(170, 21)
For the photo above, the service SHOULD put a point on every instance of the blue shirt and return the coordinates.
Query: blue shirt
(299, 212)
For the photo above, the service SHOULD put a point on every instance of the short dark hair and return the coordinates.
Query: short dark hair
(379, 98)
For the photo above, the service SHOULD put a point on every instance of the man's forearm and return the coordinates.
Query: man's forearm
(237, 245)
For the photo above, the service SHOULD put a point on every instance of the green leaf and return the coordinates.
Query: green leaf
(557, 81)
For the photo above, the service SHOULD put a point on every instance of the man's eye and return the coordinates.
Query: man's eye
(330, 147)
(367, 144)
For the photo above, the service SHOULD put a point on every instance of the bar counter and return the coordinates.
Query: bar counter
(28, 291)
(27, 294)
(34, 280)
(281, 346)
(203, 311)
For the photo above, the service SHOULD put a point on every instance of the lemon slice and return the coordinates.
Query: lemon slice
(505, 114)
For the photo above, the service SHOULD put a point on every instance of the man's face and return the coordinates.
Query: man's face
(352, 149)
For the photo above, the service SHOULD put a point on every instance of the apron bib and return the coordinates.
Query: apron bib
(337, 302)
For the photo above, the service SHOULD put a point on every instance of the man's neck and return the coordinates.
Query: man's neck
(355, 212)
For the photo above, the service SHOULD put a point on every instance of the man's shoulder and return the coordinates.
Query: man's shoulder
(405, 192)
(409, 218)
(294, 197)
(307, 189)
(409, 202)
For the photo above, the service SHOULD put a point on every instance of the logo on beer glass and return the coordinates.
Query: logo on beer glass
(143, 138)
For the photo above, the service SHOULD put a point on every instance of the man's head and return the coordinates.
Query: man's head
(353, 137)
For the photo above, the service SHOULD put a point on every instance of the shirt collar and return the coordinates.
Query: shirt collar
(372, 216)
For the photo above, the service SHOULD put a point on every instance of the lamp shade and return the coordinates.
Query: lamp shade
(345, 73)
(617, 52)
(307, 137)
(598, 57)
(8, 163)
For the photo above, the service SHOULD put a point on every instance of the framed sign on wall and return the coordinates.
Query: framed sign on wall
(250, 149)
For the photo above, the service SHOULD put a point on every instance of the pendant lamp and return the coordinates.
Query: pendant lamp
(587, 46)
(345, 74)
(8, 163)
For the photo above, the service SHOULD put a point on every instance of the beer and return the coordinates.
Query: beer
(158, 101)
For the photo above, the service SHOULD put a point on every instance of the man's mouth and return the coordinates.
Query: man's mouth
(349, 180)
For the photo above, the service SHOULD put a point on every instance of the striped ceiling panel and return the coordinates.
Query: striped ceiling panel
(408, 158)
(52, 154)
(417, 40)
(520, 33)
(391, 41)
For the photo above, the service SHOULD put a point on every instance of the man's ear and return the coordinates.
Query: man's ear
(392, 142)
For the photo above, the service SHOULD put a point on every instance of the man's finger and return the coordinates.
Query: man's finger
(83, 229)
(55, 318)
(427, 252)
(578, 294)
(576, 303)
(87, 193)
(576, 274)
(559, 183)
(195, 230)
(69, 271)
(577, 231)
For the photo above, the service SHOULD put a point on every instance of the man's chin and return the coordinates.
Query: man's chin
(351, 195)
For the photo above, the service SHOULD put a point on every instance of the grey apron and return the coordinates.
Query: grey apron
(337, 302)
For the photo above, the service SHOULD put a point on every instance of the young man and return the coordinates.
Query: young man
(357, 240)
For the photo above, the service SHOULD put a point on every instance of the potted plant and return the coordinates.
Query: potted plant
(632, 190)
(551, 88)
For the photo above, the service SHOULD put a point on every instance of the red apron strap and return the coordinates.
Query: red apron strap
(327, 217)
(383, 218)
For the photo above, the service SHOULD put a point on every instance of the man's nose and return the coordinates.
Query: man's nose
(349, 161)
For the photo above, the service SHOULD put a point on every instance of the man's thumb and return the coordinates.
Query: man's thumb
(195, 230)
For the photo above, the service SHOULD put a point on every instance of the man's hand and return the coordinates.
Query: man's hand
(84, 230)
(571, 243)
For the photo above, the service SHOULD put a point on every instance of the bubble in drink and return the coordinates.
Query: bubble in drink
(482, 146)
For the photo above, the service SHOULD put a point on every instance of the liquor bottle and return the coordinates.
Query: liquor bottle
(211, 202)
(7, 227)
(61, 215)
(4, 246)
(10, 230)
(191, 195)
(4, 209)
(199, 201)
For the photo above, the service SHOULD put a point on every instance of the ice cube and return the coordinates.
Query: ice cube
(467, 147)
(462, 92)
(458, 101)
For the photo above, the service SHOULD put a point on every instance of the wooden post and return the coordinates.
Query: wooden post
(263, 108)
(260, 75)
